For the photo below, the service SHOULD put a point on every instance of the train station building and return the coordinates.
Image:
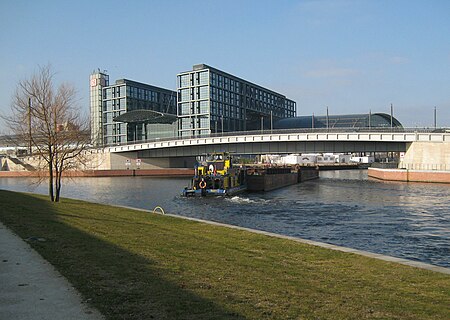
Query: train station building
(207, 101)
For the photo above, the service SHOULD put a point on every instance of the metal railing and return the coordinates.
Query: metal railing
(425, 166)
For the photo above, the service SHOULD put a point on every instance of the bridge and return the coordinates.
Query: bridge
(287, 141)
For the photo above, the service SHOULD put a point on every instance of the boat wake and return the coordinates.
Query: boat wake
(241, 200)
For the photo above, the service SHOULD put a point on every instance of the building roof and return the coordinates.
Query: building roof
(141, 85)
(146, 116)
(202, 66)
(379, 120)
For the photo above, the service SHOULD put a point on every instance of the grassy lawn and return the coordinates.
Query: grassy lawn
(136, 265)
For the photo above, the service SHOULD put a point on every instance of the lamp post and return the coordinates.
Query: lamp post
(392, 115)
(29, 126)
(271, 121)
(435, 119)
(262, 124)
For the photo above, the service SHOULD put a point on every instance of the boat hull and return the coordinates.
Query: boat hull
(214, 192)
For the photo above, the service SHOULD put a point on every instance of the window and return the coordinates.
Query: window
(108, 105)
(185, 108)
(122, 91)
(185, 80)
(116, 104)
(108, 93)
(204, 79)
(204, 107)
(204, 122)
(186, 123)
(185, 94)
(204, 92)
(214, 108)
(213, 79)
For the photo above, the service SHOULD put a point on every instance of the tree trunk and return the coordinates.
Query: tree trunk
(50, 179)
(58, 173)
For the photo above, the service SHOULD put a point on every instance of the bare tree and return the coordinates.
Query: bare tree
(47, 120)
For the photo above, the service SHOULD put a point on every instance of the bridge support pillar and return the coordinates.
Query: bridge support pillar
(424, 155)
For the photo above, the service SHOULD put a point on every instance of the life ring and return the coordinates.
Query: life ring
(202, 184)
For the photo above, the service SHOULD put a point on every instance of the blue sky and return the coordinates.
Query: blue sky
(350, 55)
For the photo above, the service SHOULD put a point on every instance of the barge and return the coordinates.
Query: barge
(271, 178)
(216, 175)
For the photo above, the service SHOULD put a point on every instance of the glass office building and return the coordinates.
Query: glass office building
(111, 101)
(213, 101)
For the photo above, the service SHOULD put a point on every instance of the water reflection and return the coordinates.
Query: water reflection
(342, 207)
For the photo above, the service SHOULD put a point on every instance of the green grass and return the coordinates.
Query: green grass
(136, 265)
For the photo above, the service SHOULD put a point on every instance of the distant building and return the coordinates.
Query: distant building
(108, 102)
(212, 101)
(374, 120)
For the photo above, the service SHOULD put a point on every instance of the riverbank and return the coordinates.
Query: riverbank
(169, 172)
(404, 175)
(132, 265)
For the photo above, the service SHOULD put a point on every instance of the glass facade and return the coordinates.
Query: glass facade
(124, 96)
(212, 101)
(98, 80)
(375, 120)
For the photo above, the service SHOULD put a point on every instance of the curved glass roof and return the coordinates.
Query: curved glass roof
(377, 120)
(146, 116)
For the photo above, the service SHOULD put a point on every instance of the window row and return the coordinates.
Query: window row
(194, 123)
(193, 79)
(225, 96)
(115, 129)
(225, 82)
(228, 111)
(196, 107)
(108, 117)
(195, 93)
(114, 139)
(115, 104)
(114, 92)
(226, 124)
(143, 94)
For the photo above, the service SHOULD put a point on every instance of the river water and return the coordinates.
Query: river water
(405, 220)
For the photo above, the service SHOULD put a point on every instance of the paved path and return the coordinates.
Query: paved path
(30, 288)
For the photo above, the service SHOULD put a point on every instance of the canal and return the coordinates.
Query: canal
(344, 208)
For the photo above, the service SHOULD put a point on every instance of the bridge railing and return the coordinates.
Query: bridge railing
(291, 131)
(425, 166)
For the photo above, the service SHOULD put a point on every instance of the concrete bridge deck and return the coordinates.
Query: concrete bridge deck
(286, 141)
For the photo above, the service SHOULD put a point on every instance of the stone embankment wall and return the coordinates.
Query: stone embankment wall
(174, 172)
(99, 159)
(410, 175)
(424, 161)
(98, 163)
